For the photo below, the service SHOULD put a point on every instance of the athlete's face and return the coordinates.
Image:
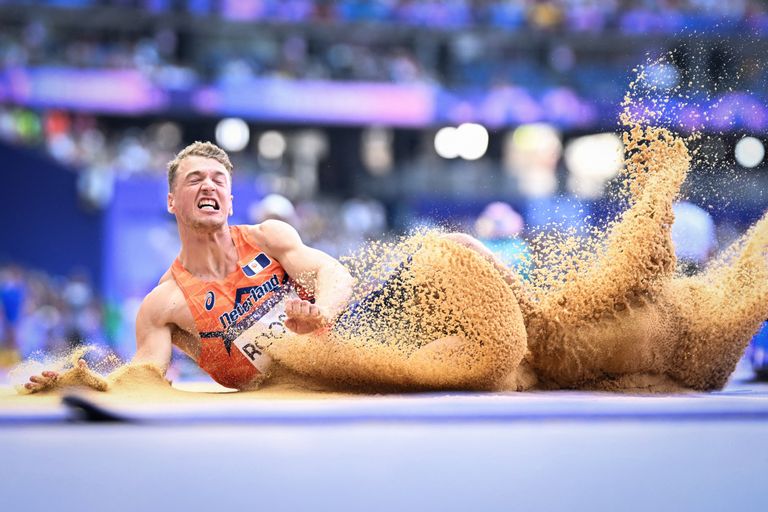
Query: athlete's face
(202, 194)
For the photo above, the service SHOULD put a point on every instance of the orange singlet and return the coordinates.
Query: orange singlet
(224, 309)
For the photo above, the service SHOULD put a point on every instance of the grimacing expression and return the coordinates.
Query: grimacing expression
(201, 197)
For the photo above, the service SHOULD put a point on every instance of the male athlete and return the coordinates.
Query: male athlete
(233, 286)
(228, 280)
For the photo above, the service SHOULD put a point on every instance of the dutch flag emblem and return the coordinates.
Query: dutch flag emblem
(257, 264)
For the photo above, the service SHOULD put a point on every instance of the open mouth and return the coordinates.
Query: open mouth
(208, 204)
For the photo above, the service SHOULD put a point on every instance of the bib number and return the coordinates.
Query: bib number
(268, 327)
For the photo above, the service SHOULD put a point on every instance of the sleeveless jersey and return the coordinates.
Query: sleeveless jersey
(250, 298)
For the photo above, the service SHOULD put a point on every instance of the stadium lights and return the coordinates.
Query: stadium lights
(232, 134)
(272, 145)
(749, 152)
(376, 150)
(469, 141)
(530, 153)
(592, 160)
(446, 142)
(474, 141)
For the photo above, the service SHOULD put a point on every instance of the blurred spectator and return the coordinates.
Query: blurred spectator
(693, 234)
(12, 292)
(757, 353)
(499, 227)
(49, 314)
(363, 217)
(273, 206)
(158, 54)
(533, 14)
(78, 299)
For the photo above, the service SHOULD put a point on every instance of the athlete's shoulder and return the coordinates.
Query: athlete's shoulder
(273, 235)
(167, 288)
(160, 304)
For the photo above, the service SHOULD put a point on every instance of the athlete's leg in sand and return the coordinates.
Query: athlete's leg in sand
(487, 340)
(445, 320)
(512, 278)
(604, 319)
(718, 312)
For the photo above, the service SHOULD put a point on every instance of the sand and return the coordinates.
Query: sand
(447, 321)
(610, 313)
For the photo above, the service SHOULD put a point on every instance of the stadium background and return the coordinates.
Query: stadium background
(371, 118)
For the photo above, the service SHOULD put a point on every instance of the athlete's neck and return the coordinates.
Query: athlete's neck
(208, 255)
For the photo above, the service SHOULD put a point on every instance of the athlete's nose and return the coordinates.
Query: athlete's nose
(208, 184)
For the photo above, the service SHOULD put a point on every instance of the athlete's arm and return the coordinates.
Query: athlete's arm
(154, 328)
(153, 344)
(313, 269)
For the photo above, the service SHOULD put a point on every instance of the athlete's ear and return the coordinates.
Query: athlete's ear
(231, 210)
(171, 208)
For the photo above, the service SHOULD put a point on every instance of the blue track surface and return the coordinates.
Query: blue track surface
(531, 451)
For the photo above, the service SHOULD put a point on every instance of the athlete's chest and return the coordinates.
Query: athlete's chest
(228, 304)
(224, 309)
(202, 305)
(224, 301)
(226, 316)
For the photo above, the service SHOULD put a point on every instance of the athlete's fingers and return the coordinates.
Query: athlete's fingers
(294, 311)
(45, 380)
(39, 383)
(292, 307)
(314, 311)
(297, 307)
(39, 387)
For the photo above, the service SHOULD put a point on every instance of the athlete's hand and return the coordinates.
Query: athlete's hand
(48, 379)
(43, 382)
(303, 316)
(80, 375)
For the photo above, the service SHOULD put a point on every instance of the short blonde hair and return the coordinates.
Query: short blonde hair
(204, 149)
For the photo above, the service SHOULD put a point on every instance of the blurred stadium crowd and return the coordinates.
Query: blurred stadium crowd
(341, 183)
(429, 42)
(44, 313)
(631, 16)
